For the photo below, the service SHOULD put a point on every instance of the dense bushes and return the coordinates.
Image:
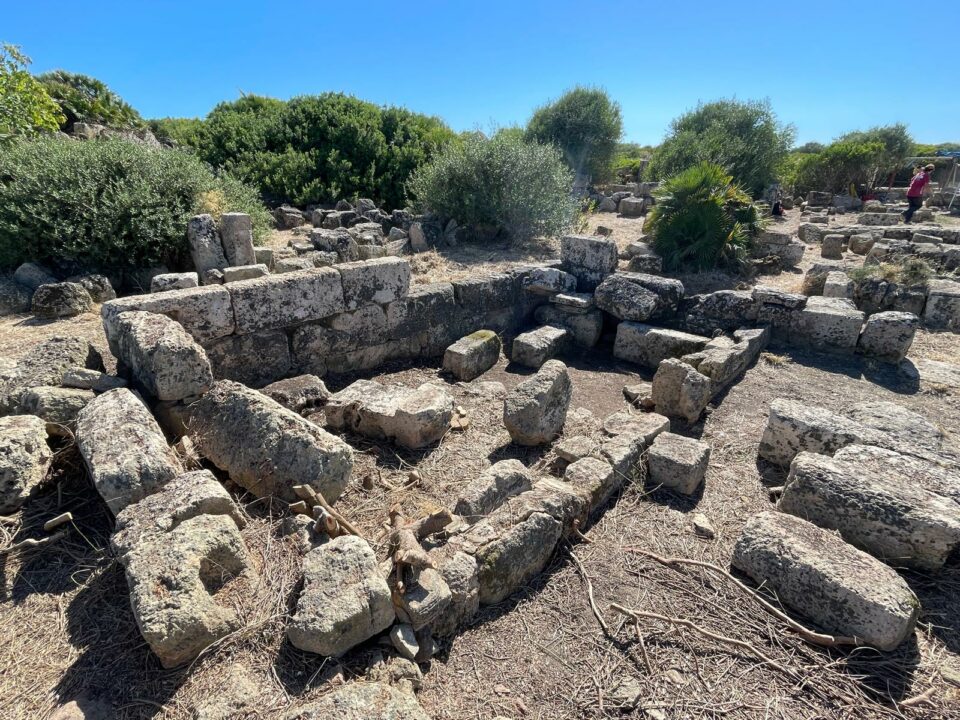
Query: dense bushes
(85, 99)
(501, 185)
(702, 220)
(316, 148)
(585, 124)
(860, 158)
(25, 107)
(107, 204)
(744, 138)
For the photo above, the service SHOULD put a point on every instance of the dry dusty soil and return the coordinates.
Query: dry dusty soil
(67, 632)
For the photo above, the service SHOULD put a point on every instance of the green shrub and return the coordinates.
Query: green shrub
(585, 124)
(86, 99)
(702, 220)
(498, 185)
(181, 132)
(25, 107)
(744, 138)
(628, 161)
(315, 148)
(107, 204)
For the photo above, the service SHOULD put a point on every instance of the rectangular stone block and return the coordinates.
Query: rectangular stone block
(843, 590)
(534, 348)
(379, 281)
(472, 355)
(205, 312)
(292, 298)
(236, 234)
(942, 310)
(894, 521)
(828, 324)
(244, 272)
(479, 294)
(589, 259)
(255, 360)
(647, 345)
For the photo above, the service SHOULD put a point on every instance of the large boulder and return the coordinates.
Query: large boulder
(345, 598)
(124, 449)
(843, 590)
(98, 286)
(24, 459)
(828, 324)
(266, 448)
(181, 549)
(895, 521)
(639, 296)
(58, 300)
(14, 297)
(535, 410)
(165, 361)
(31, 276)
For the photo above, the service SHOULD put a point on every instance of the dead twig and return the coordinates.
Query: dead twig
(924, 697)
(312, 497)
(593, 604)
(814, 638)
(35, 543)
(690, 625)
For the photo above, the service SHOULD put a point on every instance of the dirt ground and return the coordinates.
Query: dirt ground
(67, 632)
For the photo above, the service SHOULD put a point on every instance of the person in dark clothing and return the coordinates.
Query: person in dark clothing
(915, 193)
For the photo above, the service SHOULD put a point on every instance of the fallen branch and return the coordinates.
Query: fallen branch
(814, 638)
(924, 697)
(593, 604)
(35, 543)
(683, 622)
(61, 519)
(430, 524)
(312, 497)
(406, 548)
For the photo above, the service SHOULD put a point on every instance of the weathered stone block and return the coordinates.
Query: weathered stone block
(471, 356)
(838, 285)
(355, 701)
(492, 488)
(721, 310)
(793, 426)
(632, 206)
(45, 365)
(84, 379)
(535, 410)
(205, 312)
(124, 449)
(254, 360)
(595, 480)
(843, 590)
(878, 219)
(680, 391)
(888, 335)
(535, 347)
(590, 259)
(942, 310)
(14, 297)
(288, 450)
(204, 241)
(300, 394)
(647, 345)
(236, 236)
(57, 406)
(161, 355)
(58, 300)
(860, 243)
(831, 247)
(173, 281)
(379, 281)
(677, 462)
(24, 459)
(549, 281)
(244, 272)
(345, 600)
(516, 556)
(585, 328)
(895, 521)
(278, 301)
(829, 324)
(180, 547)
(32, 275)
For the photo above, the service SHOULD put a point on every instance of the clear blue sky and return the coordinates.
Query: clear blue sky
(827, 67)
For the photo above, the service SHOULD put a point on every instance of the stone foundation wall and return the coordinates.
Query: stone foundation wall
(348, 317)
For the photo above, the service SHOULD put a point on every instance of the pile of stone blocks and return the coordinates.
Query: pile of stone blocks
(35, 288)
(219, 250)
(784, 246)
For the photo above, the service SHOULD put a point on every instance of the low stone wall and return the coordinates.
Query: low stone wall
(348, 317)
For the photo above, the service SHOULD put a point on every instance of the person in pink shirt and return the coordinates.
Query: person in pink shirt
(915, 193)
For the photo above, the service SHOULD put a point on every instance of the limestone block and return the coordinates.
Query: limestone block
(345, 600)
(677, 462)
(301, 394)
(58, 300)
(888, 335)
(205, 247)
(174, 281)
(205, 312)
(794, 426)
(535, 347)
(124, 449)
(236, 235)
(828, 324)
(534, 412)
(265, 447)
(680, 391)
(549, 281)
(492, 488)
(812, 571)
(588, 258)
(838, 285)
(244, 272)
(255, 359)
(45, 365)
(927, 474)
(278, 301)
(516, 556)
(584, 328)
(942, 310)
(357, 700)
(24, 459)
(647, 345)
(595, 479)
(161, 355)
(379, 281)
(899, 523)
(57, 406)
(831, 246)
(472, 355)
